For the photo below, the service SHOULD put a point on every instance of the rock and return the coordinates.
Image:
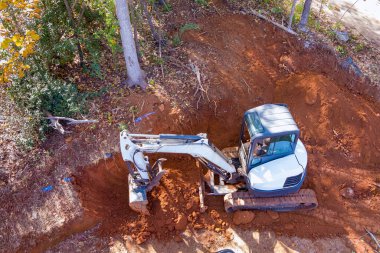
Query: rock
(181, 223)
(350, 65)
(107, 155)
(218, 230)
(311, 96)
(243, 217)
(347, 193)
(342, 36)
(198, 226)
(2, 182)
(177, 238)
(273, 215)
(229, 236)
(307, 44)
(140, 240)
(161, 107)
(289, 226)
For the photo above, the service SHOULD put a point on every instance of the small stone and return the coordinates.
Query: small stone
(177, 238)
(218, 230)
(289, 226)
(273, 215)
(161, 107)
(342, 36)
(107, 155)
(243, 217)
(181, 223)
(229, 236)
(347, 193)
(198, 226)
(2, 182)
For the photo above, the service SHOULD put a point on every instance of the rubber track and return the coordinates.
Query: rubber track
(305, 199)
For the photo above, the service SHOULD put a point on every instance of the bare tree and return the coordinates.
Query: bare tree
(305, 15)
(136, 76)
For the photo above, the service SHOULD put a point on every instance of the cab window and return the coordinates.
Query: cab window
(280, 144)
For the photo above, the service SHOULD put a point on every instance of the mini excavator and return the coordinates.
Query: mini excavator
(264, 172)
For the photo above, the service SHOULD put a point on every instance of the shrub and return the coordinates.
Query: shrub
(33, 97)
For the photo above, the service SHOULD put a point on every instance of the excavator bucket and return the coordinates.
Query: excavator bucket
(138, 200)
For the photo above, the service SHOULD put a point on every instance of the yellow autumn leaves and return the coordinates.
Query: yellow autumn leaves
(16, 43)
(20, 4)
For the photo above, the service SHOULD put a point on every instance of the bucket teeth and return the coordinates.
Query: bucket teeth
(138, 200)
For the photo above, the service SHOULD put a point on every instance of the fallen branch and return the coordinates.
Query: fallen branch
(175, 62)
(373, 237)
(199, 87)
(54, 122)
(246, 84)
(255, 13)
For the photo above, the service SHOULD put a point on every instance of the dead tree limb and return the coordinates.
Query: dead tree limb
(199, 87)
(255, 13)
(373, 237)
(246, 84)
(54, 122)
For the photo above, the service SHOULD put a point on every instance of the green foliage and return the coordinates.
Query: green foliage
(337, 26)
(123, 126)
(33, 97)
(167, 7)
(94, 25)
(277, 10)
(203, 3)
(176, 40)
(188, 27)
(359, 47)
(298, 12)
(341, 50)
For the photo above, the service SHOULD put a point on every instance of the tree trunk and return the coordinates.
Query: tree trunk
(305, 15)
(292, 14)
(136, 76)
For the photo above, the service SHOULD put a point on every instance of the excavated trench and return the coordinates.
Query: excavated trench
(248, 63)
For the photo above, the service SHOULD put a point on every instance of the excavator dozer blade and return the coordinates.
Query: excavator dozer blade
(138, 200)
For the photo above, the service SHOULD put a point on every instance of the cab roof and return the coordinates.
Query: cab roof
(269, 120)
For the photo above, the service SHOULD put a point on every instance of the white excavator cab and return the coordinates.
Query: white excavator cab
(270, 151)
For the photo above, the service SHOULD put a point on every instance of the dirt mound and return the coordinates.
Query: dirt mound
(247, 63)
(332, 119)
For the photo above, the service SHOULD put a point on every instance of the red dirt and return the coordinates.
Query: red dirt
(248, 63)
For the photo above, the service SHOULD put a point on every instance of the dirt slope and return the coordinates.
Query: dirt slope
(245, 63)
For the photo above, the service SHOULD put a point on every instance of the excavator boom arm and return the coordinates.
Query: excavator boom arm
(134, 146)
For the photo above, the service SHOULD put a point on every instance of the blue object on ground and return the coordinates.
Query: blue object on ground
(68, 179)
(108, 155)
(47, 188)
(139, 119)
